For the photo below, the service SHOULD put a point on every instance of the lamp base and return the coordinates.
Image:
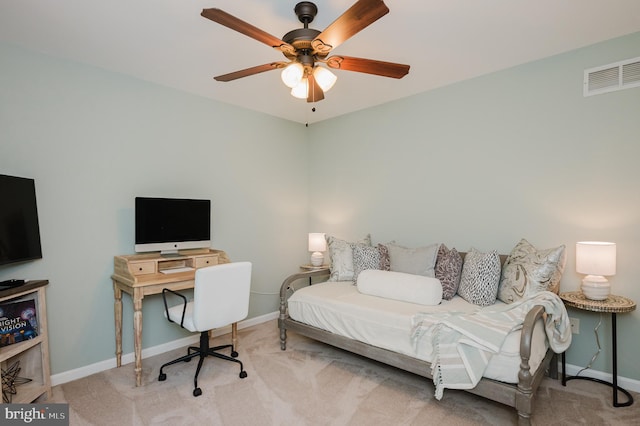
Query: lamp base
(317, 258)
(596, 287)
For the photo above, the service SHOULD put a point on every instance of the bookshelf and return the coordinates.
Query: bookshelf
(32, 354)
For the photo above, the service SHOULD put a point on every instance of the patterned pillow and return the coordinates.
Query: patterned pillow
(365, 257)
(480, 277)
(528, 270)
(385, 264)
(416, 261)
(341, 255)
(448, 270)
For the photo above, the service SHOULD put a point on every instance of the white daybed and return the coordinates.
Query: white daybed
(338, 314)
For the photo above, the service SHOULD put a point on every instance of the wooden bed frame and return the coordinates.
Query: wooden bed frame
(520, 396)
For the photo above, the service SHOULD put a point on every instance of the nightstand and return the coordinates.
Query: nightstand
(613, 305)
(311, 268)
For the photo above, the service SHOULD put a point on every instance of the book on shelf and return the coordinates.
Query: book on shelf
(18, 321)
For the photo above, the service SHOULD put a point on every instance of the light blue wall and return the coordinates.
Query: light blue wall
(94, 140)
(515, 154)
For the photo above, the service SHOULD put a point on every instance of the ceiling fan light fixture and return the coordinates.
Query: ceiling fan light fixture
(292, 74)
(301, 90)
(304, 47)
(325, 78)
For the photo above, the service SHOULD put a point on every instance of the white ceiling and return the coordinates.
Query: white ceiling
(167, 42)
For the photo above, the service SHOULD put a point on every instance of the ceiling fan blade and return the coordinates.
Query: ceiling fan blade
(315, 92)
(250, 71)
(368, 66)
(359, 16)
(236, 24)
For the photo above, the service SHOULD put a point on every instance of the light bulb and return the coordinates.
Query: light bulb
(325, 78)
(292, 74)
(301, 91)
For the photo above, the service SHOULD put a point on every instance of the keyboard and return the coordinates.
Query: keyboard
(176, 270)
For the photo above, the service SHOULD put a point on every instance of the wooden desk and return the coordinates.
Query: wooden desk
(140, 275)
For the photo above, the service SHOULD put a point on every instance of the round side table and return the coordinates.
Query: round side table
(613, 305)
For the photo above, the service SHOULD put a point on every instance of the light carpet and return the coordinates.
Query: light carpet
(311, 384)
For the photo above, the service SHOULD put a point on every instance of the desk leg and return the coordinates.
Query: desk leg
(117, 314)
(234, 336)
(137, 331)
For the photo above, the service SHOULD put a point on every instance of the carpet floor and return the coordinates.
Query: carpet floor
(311, 384)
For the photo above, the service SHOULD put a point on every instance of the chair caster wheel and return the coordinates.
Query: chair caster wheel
(187, 360)
(243, 374)
(197, 392)
(162, 377)
(234, 354)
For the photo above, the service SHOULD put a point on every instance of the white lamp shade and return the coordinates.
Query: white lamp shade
(317, 242)
(325, 78)
(301, 91)
(596, 258)
(292, 74)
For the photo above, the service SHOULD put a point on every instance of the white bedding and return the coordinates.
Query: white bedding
(340, 308)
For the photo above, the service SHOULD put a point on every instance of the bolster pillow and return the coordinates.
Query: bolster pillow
(400, 286)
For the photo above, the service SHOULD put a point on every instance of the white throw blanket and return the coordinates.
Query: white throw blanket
(463, 343)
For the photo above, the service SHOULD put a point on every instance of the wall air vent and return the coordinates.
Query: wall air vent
(612, 77)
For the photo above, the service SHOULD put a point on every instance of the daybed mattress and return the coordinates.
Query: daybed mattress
(340, 308)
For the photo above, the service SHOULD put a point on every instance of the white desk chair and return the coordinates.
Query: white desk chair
(220, 298)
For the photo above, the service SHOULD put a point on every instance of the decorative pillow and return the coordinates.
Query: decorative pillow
(400, 286)
(448, 270)
(341, 255)
(365, 257)
(385, 264)
(480, 277)
(528, 270)
(416, 261)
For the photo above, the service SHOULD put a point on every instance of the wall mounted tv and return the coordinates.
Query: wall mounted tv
(171, 224)
(19, 228)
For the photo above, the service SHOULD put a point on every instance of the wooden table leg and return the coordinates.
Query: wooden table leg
(117, 314)
(44, 347)
(234, 336)
(137, 332)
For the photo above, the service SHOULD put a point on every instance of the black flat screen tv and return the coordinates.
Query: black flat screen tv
(19, 228)
(171, 224)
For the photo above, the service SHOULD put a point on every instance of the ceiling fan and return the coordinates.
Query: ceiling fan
(306, 47)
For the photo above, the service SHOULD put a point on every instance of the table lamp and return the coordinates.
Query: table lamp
(317, 244)
(596, 259)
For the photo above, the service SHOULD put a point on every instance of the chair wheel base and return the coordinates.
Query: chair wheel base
(197, 392)
(162, 377)
(243, 374)
(234, 354)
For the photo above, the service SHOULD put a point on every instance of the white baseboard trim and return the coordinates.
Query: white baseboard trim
(78, 373)
(623, 382)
